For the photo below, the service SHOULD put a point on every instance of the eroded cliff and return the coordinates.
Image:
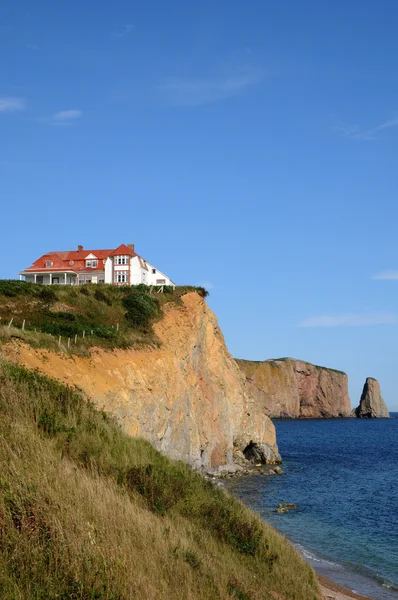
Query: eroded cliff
(289, 388)
(188, 396)
(371, 405)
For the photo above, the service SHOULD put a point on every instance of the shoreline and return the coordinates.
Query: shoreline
(330, 589)
(333, 591)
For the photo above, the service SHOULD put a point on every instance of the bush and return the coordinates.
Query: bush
(99, 295)
(141, 309)
(47, 294)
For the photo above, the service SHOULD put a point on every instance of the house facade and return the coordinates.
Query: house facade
(121, 266)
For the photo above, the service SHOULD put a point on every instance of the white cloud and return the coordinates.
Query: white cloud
(63, 117)
(11, 104)
(351, 320)
(127, 29)
(387, 275)
(356, 133)
(195, 92)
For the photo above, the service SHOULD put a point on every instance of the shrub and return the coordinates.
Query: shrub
(142, 287)
(141, 308)
(161, 489)
(84, 290)
(47, 294)
(99, 295)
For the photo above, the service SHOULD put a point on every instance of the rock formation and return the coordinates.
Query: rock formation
(187, 396)
(289, 388)
(371, 404)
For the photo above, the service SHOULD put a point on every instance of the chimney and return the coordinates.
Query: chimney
(79, 248)
(131, 246)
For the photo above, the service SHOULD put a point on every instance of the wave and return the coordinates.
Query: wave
(354, 577)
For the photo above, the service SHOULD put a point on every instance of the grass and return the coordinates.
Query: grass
(88, 512)
(93, 315)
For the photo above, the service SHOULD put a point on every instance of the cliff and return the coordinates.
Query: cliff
(371, 404)
(187, 396)
(289, 388)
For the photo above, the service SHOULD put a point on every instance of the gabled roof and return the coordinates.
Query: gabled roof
(123, 250)
(75, 260)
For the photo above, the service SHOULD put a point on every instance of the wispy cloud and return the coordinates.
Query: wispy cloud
(127, 29)
(351, 320)
(357, 133)
(387, 275)
(11, 104)
(62, 118)
(195, 92)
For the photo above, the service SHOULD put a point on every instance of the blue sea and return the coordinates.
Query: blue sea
(343, 477)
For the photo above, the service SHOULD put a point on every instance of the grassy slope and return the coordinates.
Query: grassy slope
(88, 512)
(98, 310)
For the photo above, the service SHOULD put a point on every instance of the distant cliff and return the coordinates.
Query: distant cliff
(371, 404)
(187, 396)
(289, 388)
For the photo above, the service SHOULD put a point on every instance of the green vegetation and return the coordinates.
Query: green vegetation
(89, 315)
(87, 512)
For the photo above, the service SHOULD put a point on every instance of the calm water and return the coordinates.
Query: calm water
(343, 476)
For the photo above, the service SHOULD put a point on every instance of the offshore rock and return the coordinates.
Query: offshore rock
(187, 396)
(371, 405)
(289, 388)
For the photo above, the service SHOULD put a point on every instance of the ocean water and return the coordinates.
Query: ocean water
(343, 477)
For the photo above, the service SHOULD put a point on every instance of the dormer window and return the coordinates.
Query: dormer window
(49, 264)
(91, 264)
(122, 260)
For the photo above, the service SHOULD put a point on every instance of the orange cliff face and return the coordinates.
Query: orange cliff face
(188, 396)
(289, 388)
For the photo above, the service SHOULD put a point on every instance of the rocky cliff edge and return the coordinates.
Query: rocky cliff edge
(188, 396)
(289, 388)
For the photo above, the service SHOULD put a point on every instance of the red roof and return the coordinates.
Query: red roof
(75, 260)
(123, 250)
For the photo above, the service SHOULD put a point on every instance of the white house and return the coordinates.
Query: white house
(121, 266)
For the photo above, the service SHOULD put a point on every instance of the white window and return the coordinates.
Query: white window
(122, 260)
(49, 264)
(121, 277)
(91, 264)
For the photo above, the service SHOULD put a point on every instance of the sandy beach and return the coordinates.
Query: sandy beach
(333, 591)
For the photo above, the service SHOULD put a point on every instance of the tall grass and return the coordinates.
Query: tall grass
(93, 315)
(87, 512)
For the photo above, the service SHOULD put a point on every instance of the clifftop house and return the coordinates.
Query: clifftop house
(121, 266)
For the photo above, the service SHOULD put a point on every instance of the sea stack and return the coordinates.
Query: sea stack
(371, 405)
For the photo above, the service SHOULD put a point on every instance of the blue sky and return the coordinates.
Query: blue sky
(247, 146)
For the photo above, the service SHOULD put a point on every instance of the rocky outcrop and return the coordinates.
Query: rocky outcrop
(371, 404)
(187, 396)
(289, 388)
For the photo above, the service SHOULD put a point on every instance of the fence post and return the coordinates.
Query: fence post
(76, 338)
(68, 342)
(23, 324)
(117, 326)
(59, 340)
(84, 333)
(10, 323)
